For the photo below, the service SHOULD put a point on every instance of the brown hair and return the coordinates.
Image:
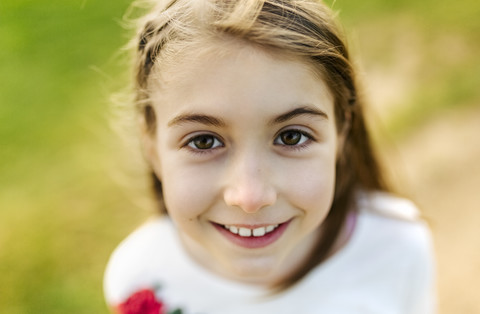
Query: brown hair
(302, 28)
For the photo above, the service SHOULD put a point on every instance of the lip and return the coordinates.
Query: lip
(253, 242)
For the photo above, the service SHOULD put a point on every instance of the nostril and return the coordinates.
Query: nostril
(249, 185)
(250, 198)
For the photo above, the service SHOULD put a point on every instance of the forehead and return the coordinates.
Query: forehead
(228, 72)
(171, 61)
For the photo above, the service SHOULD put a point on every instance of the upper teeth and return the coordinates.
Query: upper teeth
(246, 232)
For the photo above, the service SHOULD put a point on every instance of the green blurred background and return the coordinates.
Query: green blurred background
(69, 191)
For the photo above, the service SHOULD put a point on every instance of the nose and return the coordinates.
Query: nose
(249, 185)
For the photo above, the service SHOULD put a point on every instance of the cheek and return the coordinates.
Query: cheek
(188, 191)
(313, 188)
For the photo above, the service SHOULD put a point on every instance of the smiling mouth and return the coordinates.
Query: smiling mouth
(252, 238)
(246, 232)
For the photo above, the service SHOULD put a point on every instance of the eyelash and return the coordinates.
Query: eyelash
(308, 138)
(189, 144)
(304, 142)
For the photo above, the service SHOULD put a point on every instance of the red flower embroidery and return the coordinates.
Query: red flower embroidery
(142, 302)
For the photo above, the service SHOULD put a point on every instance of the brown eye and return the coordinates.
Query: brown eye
(290, 137)
(204, 142)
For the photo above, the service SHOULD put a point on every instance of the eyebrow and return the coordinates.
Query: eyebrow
(197, 118)
(301, 111)
(213, 121)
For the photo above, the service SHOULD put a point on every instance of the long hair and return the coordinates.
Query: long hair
(305, 29)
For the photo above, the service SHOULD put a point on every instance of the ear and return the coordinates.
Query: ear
(343, 134)
(148, 141)
(150, 152)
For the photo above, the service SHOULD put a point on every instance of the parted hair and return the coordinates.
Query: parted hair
(304, 29)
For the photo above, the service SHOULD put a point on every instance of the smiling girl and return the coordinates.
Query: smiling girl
(270, 195)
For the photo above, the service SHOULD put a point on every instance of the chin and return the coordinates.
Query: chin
(258, 271)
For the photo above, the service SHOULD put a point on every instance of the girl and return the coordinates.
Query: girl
(270, 195)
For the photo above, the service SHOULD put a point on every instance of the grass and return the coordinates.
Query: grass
(443, 36)
(62, 210)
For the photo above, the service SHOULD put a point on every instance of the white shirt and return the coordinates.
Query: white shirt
(386, 268)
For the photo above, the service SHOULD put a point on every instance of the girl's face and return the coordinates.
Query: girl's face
(246, 150)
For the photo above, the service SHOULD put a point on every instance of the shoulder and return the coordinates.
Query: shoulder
(389, 205)
(387, 266)
(394, 232)
(396, 222)
(133, 264)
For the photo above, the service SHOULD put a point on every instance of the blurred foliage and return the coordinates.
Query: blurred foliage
(442, 36)
(61, 209)
(58, 206)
